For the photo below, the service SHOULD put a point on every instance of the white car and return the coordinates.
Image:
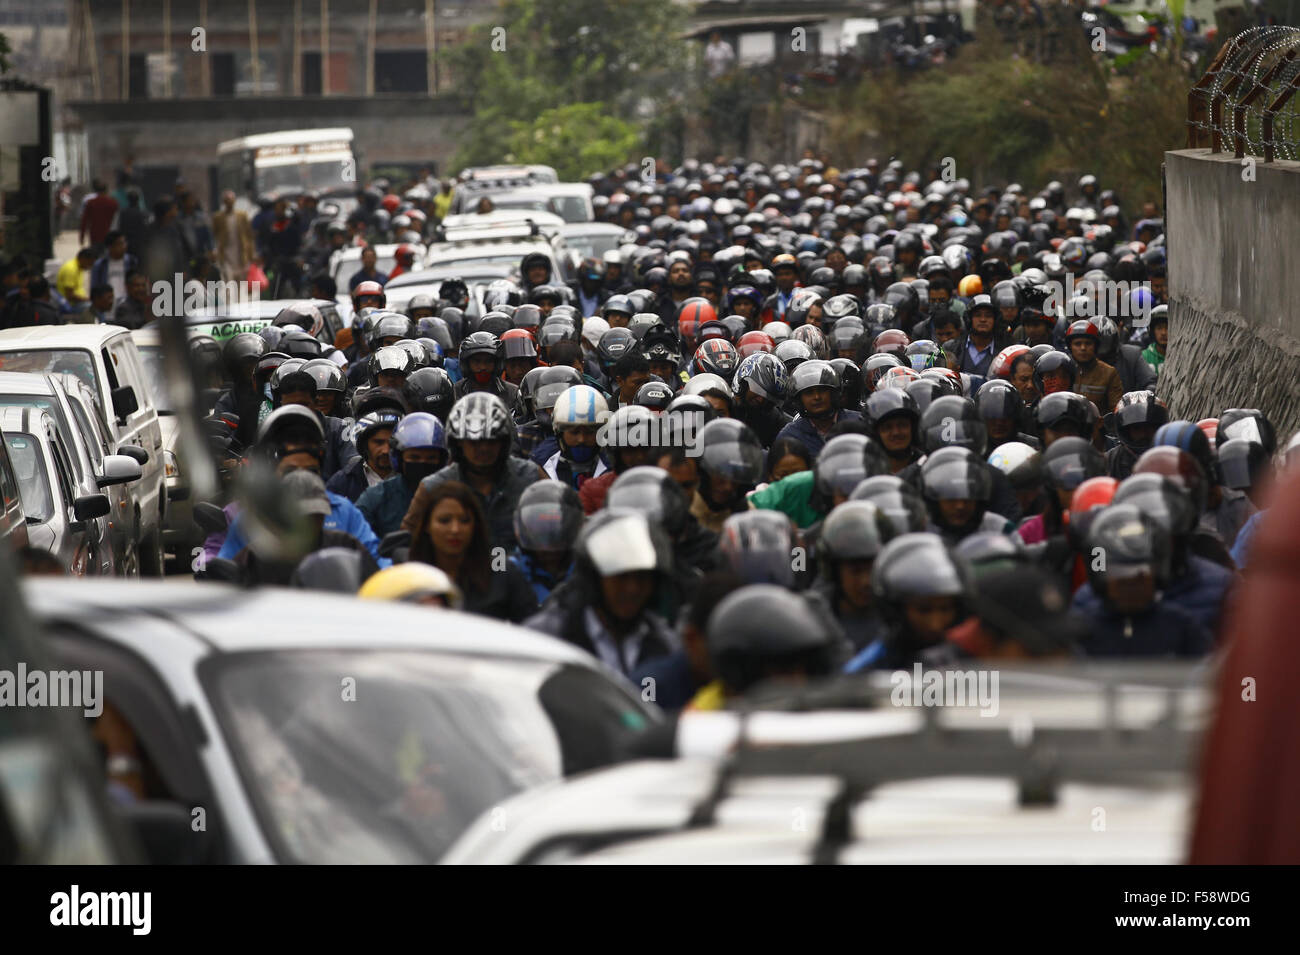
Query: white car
(346, 262)
(571, 201)
(1076, 765)
(312, 728)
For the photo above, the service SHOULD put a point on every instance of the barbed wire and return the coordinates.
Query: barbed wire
(1246, 102)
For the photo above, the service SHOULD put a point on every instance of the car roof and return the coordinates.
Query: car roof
(594, 228)
(59, 336)
(232, 620)
(26, 383)
(440, 273)
(260, 308)
(548, 189)
(382, 250)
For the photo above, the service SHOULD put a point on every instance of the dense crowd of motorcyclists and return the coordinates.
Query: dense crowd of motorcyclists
(807, 420)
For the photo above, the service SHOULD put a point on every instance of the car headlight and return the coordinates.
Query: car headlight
(171, 466)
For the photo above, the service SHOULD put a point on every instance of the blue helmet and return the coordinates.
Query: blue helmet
(419, 429)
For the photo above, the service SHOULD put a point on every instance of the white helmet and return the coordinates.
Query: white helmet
(579, 406)
(592, 328)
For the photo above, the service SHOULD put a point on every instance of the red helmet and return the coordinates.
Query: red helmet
(1083, 328)
(390, 203)
(518, 343)
(893, 341)
(404, 254)
(899, 377)
(1005, 360)
(753, 342)
(1093, 493)
(1211, 428)
(695, 312)
(368, 289)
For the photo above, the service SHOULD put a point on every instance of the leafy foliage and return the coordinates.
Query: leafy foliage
(577, 140)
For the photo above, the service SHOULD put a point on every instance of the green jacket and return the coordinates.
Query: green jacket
(792, 496)
(1153, 357)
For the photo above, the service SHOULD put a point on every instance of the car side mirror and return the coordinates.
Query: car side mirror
(210, 518)
(119, 469)
(125, 402)
(90, 507)
(163, 830)
(136, 453)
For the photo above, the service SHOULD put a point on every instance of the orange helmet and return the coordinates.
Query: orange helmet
(784, 261)
(970, 285)
(1093, 493)
(695, 312)
(390, 203)
(1210, 426)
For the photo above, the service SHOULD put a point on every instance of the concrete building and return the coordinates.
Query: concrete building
(162, 82)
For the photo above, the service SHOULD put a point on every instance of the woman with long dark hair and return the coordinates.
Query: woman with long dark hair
(451, 533)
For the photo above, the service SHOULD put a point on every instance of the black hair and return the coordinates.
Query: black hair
(297, 381)
(628, 364)
(782, 447)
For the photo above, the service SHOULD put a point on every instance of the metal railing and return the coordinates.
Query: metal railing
(1245, 101)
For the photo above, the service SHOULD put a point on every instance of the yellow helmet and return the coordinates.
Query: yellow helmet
(970, 285)
(410, 582)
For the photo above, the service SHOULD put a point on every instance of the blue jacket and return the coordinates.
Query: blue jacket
(1241, 546)
(802, 430)
(666, 681)
(344, 517)
(1201, 591)
(1166, 630)
(99, 271)
(384, 505)
(542, 582)
(544, 449)
(350, 480)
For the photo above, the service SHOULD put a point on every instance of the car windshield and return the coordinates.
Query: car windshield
(58, 361)
(33, 482)
(387, 756)
(156, 376)
(592, 246)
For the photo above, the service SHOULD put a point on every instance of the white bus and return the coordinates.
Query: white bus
(271, 164)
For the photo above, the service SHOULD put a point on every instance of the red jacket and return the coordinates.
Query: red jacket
(97, 217)
(592, 493)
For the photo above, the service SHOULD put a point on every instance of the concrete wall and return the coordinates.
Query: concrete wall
(1234, 287)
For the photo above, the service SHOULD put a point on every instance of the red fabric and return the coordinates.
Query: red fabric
(257, 277)
(1250, 767)
(97, 217)
(592, 493)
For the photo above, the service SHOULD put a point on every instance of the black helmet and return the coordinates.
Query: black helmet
(875, 368)
(897, 500)
(850, 382)
(653, 492)
(613, 345)
(481, 343)
(479, 416)
(731, 452)
(854, 530)
(763, 374)
(1067, 410)
(758, 546)
(389, 359)
(956, 473)
(763, 629)
(953, 421)
(292, 426)
(845, 462)
(1243, 463)
(551, 383)
(1054, 360)
(418, 303)
(1128, 538)
(1071, 461)
(1139, 408)
(548, 517)
(1249, 423)
(816, 374)
(998, 400)
(393, 325)
(655, 395)
(916, 565)
(431, 390)
(1162, 499)
(454, 292)
(841, 306)
(618, 303)
(241, 353)
(906, 302)
(890, 402)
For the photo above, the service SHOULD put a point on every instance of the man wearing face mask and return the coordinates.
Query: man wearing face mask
(577, 418)
(417, 448)
(481, 363)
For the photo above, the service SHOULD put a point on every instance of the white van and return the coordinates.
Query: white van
(106, 359)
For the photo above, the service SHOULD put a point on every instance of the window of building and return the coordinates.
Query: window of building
(401, 71)
(311, 74)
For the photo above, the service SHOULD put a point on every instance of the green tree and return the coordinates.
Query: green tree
(587, 60)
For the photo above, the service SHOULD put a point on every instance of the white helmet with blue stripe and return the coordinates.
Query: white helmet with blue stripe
(579, 406)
